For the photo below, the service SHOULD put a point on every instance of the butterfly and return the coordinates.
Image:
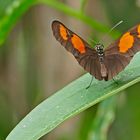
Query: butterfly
(103, 64)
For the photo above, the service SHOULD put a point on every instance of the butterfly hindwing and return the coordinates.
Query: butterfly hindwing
(115, 64)
(90, 62)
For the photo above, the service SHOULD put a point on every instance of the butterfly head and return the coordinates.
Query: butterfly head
(100, 49)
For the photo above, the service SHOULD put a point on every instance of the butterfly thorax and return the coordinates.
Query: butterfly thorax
(100, 51)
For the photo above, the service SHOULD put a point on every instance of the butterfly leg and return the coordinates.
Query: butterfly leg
(90, 83)
(115, 81)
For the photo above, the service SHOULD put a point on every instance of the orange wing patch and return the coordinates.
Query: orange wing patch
(78, 43)
(139, 31)
(126, 42)
(63, 32)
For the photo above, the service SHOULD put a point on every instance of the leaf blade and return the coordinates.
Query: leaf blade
(70, 101)
(10, 13)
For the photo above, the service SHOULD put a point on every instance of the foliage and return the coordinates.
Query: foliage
(74, 98)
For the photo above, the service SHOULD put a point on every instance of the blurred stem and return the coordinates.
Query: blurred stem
(85, 122)
(82, 5)
(78, 15)
(104, 118)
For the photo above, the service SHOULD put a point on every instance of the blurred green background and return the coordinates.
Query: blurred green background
(33, 65)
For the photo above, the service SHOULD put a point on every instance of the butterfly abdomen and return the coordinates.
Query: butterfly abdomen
(103, 71)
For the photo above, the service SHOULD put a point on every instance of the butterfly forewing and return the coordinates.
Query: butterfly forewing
(71, 41)
(128, 44)
(122, 51)
(87, 57)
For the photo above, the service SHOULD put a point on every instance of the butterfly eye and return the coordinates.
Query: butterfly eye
(98, 47)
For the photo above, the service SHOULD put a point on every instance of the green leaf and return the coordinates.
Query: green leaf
(10, 12)
(126, 12)
(103, 120)
(71, 100)
(127, 116)
(82, 5)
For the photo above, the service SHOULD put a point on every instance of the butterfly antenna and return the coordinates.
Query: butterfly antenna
(116, 25)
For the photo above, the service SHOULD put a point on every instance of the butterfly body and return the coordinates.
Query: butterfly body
(100, 51)
(103, 64)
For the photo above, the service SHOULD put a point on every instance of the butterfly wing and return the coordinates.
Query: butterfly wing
(115, 64)
(119, 53)
(86, 56)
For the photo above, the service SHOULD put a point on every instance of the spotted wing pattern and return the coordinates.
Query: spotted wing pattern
(86, 56)
(116, 57)
(119, 53)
